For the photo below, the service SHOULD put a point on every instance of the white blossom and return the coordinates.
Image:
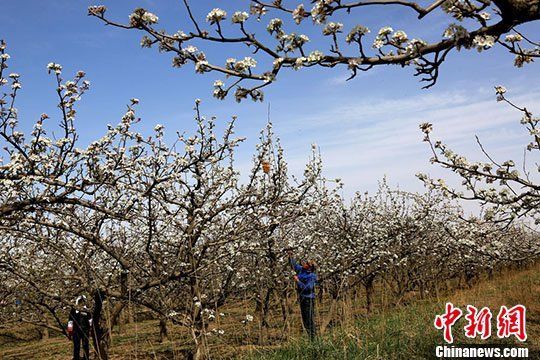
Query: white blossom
(483, 42)
(239, 17)
(332, 28)
(216, 15)
(512, 38)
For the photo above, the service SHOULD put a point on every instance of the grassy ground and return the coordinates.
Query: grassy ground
(404, 332)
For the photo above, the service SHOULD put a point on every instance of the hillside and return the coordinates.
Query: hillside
(402, 331)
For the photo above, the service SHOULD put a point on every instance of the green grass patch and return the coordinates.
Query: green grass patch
(405, 333)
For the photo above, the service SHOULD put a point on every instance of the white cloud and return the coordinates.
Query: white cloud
(363, 141)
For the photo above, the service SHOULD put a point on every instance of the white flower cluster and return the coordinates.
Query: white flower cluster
(149, 18)
(241, 66)
(299, 62)
(216, 15)
(257, 9)
(142, 17)
(382, 37)
(485, 15)
(500, 91)
(15, 84)
(513, 38)
(299, 13)
(248, 318)
(483, 42)
(456, 32)
(356, 33)
(275, 26)
(426, 128)
(525, 57)
(239, 17)
(415, 45)
(315, 56)
(201, 66)
(291, 42)
(277, 62)
(332, 28)
(219, 92)
(460, 9)
(318, 11)
(146, 42)
(53, 67)
(98, 10)
(399, 37)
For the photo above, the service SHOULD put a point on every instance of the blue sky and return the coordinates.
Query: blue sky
(366, 128)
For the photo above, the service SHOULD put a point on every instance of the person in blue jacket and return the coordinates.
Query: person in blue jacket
(306, 279)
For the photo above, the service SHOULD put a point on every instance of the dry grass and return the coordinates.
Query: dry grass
(404, 332)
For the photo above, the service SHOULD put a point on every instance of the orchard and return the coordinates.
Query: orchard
(167, 225)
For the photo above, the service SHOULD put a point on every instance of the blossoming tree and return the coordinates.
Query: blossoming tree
(507, 191)
(471, 24)
(173, 228)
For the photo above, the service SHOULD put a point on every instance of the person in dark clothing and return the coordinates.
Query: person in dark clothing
(80, 321)
(306, 279)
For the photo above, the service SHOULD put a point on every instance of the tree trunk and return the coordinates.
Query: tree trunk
(422, 290)
(198, 327)
(44, 332)
(285, 311)
(124, 291)
(331, 313)
(163, 332)
(369, 293)
(199, 340)
(263, 316)
(100, 338)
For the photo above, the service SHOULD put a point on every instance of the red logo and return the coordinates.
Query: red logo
(478, 322)
(509, 322)
(447, 320)
(512, 322)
